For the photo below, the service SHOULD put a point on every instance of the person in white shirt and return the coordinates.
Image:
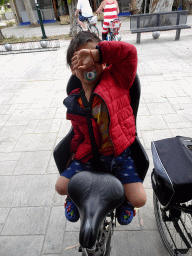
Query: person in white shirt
(86, 11)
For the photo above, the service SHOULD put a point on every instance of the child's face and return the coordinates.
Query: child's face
(96, 68)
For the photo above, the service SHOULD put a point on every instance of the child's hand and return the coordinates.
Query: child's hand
(82, 59)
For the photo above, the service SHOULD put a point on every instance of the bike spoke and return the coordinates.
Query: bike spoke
(175, 227)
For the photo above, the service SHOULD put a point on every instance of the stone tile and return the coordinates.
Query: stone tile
(160, 108)
(154, 97)
(172, 118)
(52, 169)
(31, 126)
(29, 114)
(33, 142)
(7, 167)
(149, 136)
(136, 243)
(43, 126)
(58, 200)
(17, 123)
(180, 92)
(11, 133)
(55, 232)
(33, 162)
(21, 245)
(187, 88)
(23, 106)
(34, 190)
(64, 128)
(1, 227)
(41, 103)
(71, 244)
(182, 132)
(72, 226)
(7, 187)
(173, 76)
(3, 214)
(26, 221)
(179, 125)
(7, 146)
(13, 156)
(146, 213)
(55, 126)
(154, 122)
(143, 110)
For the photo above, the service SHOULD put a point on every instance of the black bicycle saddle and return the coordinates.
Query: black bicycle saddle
(95, 195)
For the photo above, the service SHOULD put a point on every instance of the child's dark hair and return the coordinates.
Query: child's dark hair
(80, 39)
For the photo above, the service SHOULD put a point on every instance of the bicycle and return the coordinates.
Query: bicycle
(115, 26)
(91, 26)
(98, 194)
(172, 193)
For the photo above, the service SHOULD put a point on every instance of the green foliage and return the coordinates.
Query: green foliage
(2, 2)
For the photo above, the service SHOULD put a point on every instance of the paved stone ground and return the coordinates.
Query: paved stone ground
(32, 122)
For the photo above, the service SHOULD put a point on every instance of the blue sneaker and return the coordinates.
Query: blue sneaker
(125, 213)
(71, 211)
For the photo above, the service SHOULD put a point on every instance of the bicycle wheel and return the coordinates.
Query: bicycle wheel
(76, 29)
(94, 29)
(113, 37)
(108, 242)
(175, 226)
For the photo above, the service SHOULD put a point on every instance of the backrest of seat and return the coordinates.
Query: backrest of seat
(135, 93)
(73, 84)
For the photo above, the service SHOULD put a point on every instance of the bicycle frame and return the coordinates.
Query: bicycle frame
(102, 246)
(91, 26)
(114, 30)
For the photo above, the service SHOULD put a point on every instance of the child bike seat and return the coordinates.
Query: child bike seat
(95, 195)
(62, 150)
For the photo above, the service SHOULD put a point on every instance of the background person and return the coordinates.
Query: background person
(111, 10)
(86, 12)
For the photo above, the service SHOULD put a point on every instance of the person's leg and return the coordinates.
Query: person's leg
(61, 185)
(80, 20)
(135, 194)
(124, 169)
(104, 36)
(105, 30)
(71, 211)
(135, 197)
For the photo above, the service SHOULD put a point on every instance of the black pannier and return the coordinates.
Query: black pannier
(172, 174)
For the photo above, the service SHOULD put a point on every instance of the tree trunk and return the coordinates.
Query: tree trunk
(72, 8)
(187, 5)
(1, 36)
(30, 13)
(139, 4)
(160, 6)
(135, 6)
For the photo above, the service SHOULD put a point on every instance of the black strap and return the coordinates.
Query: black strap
(89, 116)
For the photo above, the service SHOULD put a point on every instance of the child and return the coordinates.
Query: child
(111, 10)
(107, 91)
